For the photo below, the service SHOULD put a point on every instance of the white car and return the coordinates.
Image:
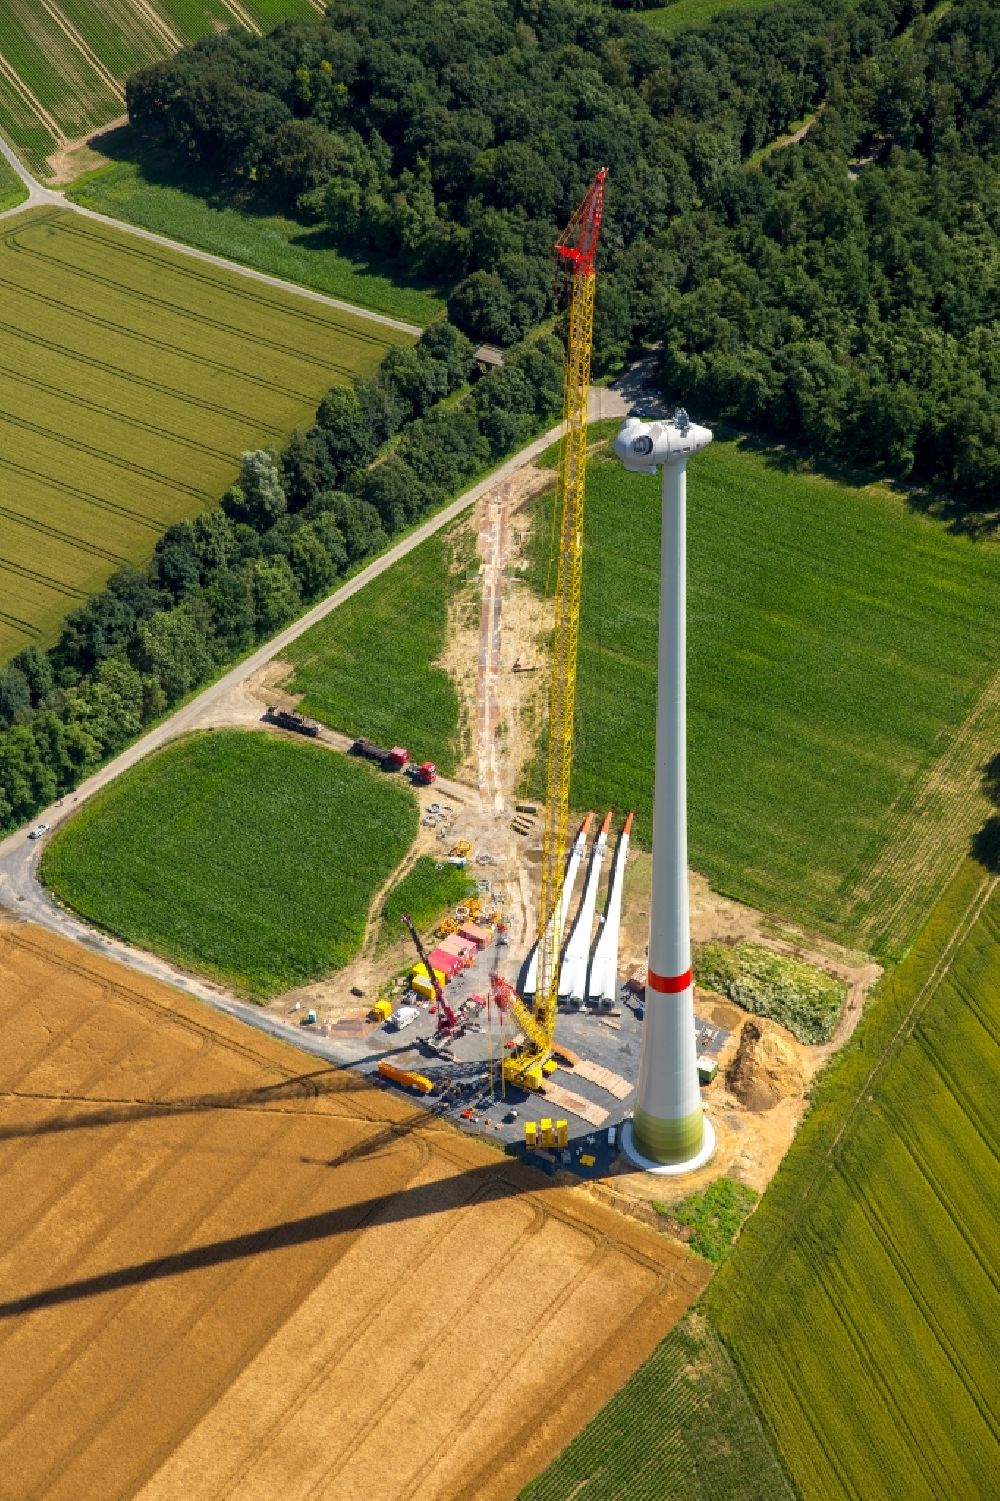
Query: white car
(38, 831)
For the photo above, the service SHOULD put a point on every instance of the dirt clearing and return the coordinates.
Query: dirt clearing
(229, 1272)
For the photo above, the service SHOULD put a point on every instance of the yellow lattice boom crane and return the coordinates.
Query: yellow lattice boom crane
(576, 251)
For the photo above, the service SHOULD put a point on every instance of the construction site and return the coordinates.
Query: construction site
(522, 1015)
(250, 1272)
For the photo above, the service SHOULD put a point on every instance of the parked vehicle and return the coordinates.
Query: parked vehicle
(288, 719)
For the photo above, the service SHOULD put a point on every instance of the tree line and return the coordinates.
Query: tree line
(379, 455)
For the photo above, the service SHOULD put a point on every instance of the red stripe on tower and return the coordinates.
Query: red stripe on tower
(668, 984)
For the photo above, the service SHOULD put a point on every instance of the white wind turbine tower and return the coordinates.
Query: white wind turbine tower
(668, 1132)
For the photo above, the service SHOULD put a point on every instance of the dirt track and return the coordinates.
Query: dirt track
(228, 1272)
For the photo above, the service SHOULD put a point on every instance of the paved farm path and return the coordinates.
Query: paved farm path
(39, 195)
(226, 702)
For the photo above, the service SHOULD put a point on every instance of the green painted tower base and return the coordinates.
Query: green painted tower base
(669, 1136)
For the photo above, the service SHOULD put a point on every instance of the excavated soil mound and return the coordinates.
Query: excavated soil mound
(764, 1069)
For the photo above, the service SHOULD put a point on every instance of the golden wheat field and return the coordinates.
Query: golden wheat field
(230, 1271)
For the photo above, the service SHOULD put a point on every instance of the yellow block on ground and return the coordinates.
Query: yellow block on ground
(549, 1066)
(530, 1133)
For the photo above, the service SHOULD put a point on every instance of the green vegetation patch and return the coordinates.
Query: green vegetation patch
(682, 1429)
(426, 893)
(12, 189)
(131, 379)
(861, 1302)
(157, 198)
(792, 992)
(715, 1215)
(836, 639)
(246, 857)
(367, 668)
(685, 15)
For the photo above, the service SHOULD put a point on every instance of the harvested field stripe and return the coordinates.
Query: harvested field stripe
(173, 42)
(27, 97)
(241, 16)
(70, 31)
(53, 531)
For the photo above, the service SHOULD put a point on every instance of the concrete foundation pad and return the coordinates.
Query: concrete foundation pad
(670, 1169)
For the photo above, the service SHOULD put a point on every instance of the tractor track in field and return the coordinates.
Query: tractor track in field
(905, 1027)
(929, 832)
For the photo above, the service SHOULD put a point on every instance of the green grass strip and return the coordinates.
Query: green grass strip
(367, 669)
(12, 189)
(426, 893)
(156, 198)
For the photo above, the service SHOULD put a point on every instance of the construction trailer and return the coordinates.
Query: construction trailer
(289, 719)
(462, 948)
(405, 1077)
(390, 758)
(446, 963)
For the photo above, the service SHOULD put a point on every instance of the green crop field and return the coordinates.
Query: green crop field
(131, 379)
(63, 63)
(426, 893)
(682, 1429)
(246, 857)
(367, 669)
(842, 649)
(861, 1303)
(858, 1310)
(12, 189)
(151, 192)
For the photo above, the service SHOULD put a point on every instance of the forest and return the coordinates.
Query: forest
(839, 294)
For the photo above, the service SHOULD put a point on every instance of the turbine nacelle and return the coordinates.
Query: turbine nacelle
(644, 446)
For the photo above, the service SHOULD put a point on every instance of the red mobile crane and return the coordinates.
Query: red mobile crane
(448, 1020)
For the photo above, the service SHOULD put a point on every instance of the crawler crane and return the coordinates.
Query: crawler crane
(575, 255)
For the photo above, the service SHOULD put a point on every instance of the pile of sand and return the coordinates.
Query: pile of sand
(765, 1068)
